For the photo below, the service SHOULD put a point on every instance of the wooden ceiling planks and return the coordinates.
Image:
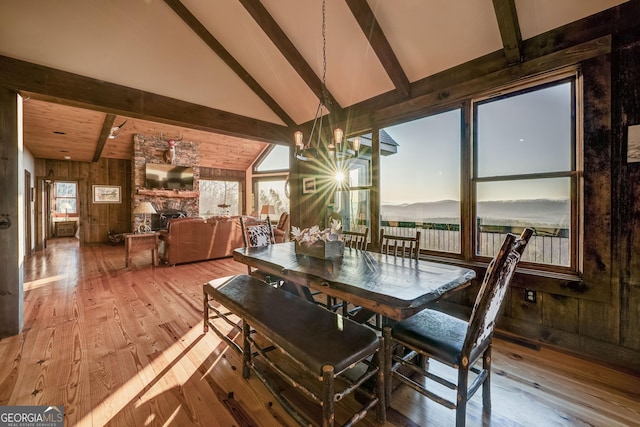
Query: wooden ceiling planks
(82, 130)
(53, 131)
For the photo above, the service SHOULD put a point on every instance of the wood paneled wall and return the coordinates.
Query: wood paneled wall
(95, 219)
(626, 193)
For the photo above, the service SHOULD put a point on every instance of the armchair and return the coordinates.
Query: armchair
(281, 230)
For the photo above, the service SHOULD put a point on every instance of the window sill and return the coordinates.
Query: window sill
(552, 282)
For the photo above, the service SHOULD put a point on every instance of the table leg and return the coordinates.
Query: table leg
(127, 255)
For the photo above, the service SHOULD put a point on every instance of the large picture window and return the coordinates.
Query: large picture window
(420, 182)
(270, 183)
(219, 198)
(518, 166)
(524, 163)
(272, 192)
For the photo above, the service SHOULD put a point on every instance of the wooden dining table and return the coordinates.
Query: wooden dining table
(393, 287)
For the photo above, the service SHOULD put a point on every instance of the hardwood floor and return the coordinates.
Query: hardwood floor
(125, 347)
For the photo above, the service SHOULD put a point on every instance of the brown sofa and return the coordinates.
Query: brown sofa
(199, 239)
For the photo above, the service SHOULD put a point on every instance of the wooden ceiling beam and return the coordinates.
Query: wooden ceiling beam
(378, 41)
(71, 89)
(507, 17)
(454, 92)
(197, 27)
(104, 135)
(587, 33)
(289, 51)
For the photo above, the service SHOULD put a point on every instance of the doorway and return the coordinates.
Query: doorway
(62, 204)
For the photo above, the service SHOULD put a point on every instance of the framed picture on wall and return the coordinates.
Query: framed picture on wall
(107, 194)
(308, 185)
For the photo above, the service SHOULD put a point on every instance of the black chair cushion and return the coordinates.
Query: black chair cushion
(436, 333)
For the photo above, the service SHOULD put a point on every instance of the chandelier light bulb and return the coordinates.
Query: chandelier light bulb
(356, 144)
(338, 134)
(297, 136)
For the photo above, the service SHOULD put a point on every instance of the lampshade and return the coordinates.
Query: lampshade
(144, 208)
(66, 206)
(267, 210)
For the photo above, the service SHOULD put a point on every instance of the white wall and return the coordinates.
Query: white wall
(28, 164)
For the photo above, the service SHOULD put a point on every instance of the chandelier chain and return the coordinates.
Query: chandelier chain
(336, 140)
(324, 54)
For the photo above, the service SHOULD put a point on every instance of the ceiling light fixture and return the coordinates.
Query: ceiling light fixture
(335, 147)
(114, 130)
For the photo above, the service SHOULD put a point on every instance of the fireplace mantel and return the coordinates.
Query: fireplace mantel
(167, 193)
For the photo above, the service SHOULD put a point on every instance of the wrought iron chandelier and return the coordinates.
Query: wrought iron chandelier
(335, 148)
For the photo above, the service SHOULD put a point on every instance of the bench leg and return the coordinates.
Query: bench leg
(246, 350)
(328, 414)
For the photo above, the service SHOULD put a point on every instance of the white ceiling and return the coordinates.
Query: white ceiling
(145, 45)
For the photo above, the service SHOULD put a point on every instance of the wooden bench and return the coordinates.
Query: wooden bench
(328, 352)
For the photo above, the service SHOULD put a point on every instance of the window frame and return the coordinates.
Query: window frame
(432, 253)
(268, 177)
(263, 156)
(344, 190)
(468, 182)
(55, 198)
(573, 76)
(223, 179)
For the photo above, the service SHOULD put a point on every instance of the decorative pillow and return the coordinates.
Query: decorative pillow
(259, 235)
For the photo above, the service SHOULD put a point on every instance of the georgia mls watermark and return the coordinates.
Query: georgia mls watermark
(31, 416)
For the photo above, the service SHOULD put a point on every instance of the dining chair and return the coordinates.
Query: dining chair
(390, 244)
(401, 246)
(356, 239)
(256, 233)
(459, 344)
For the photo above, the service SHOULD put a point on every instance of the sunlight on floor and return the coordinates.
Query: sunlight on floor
(35, 284)
(161, 374)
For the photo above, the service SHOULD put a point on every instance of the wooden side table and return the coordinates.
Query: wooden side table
(140, 242)
(65, 228)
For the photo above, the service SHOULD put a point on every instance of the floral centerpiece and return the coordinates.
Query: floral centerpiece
(324, 244)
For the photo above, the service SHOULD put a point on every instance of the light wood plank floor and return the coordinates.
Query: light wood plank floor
(125, 347)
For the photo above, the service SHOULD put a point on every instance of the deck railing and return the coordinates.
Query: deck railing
(548, 245)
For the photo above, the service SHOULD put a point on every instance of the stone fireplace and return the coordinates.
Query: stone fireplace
(151, 149)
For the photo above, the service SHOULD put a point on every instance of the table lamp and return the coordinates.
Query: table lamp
(66, 206)
(267, 210)
(144, 208)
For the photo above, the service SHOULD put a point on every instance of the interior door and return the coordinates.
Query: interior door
(28, 202)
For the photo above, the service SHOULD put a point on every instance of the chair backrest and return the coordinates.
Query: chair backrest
(493, 290)
(256, 233)
(356, 239)
(283, 222)
(400, 246)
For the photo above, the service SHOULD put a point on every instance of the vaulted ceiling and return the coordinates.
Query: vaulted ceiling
(258, 60)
